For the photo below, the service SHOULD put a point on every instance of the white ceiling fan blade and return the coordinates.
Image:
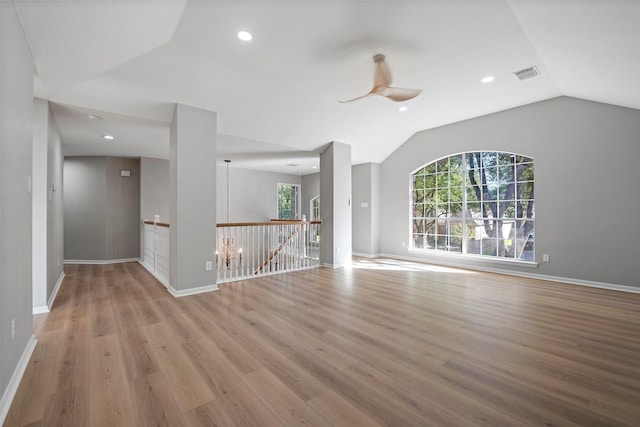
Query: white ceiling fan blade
(400, 94)
(355, 99)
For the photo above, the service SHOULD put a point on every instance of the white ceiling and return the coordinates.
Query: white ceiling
(277, 95)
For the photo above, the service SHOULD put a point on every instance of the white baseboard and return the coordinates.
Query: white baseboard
(47, 308)
(568, 280)
(100, 261)
(54, 294)
(361, 255)
(179, 293)
(160, 279)
(14, 382)
(192, 291)
(333, 266)
(40, 310)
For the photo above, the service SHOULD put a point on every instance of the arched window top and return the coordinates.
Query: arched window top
(475, 203)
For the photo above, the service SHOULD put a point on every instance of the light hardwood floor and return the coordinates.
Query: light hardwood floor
(386, 343)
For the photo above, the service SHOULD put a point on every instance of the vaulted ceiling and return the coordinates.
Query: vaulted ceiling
(277, 95)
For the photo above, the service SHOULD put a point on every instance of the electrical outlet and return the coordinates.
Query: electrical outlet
(13, 328)
(545, 258)
(404, 244)
(208, 265)
(337, 251)
(58, 262)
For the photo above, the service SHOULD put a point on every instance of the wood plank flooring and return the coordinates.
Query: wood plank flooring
(383, 343)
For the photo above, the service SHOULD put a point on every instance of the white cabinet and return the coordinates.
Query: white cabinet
(156, 251)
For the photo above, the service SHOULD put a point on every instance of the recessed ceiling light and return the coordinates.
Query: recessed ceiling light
(94, 117)
(244, 36)
(108, 137)
(403, 108)
(314, 167)
(487, 79)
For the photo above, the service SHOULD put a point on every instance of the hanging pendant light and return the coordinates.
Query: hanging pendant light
(231, 257)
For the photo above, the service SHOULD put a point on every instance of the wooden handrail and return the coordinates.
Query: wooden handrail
(159, 224)
(274, 253)
(243, 224)
(249, 224)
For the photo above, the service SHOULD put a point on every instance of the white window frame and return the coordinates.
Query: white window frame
(464, 217)
(312, 216)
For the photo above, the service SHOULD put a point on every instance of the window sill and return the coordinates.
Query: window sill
(473, 258)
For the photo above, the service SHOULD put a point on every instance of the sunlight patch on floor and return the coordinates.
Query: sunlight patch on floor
(388, 264)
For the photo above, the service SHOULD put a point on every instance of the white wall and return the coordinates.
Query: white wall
(16, 142)
(586, 177)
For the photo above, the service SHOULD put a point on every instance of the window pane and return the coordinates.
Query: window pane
(430, 181)
(455, 165)
(506, 158)
(473, 246)
(507, 209)
(474, 209)
(443, 165)
(489, 247)
(288, 197)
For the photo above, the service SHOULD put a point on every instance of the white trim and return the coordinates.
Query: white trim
(361, 255)
(333, 266)
(180, 293)
(14, 382)
(100, 261)
(470, 257)
(160, 279)
(39, 310)
(567, 280)
(47, 308)
(191, 291)
(54, 294)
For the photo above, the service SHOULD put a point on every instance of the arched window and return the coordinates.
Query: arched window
(478, 203)
(314, 208)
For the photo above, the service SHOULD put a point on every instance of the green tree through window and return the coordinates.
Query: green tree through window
(479, 203)
(288, 201)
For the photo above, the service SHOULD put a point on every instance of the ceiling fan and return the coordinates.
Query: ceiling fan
(382, 84)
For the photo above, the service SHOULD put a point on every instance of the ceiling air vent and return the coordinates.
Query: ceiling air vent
(527, 73)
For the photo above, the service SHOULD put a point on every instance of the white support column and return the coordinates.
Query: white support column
(193, 200)
(335, 197)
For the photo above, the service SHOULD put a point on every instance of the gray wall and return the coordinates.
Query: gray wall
(335, 201)
(252, 194)
(366, 209)
(55, 205)
(310, 189)
(586, 176)
(154, 192)
(101, 208)
(16, 124)
(192, 178)
(154, 189)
